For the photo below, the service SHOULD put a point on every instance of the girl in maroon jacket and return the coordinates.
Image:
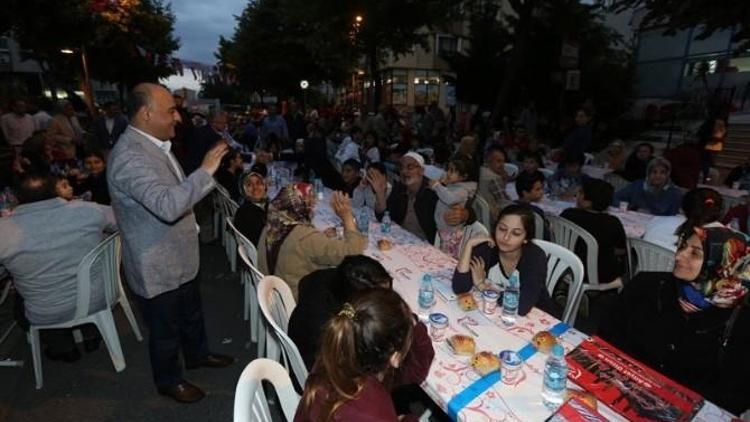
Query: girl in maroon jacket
(373, 344)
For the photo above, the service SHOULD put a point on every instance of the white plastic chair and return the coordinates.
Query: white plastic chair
(566, 233)
(588, 158)
(649, 256)
(250, 402)
(277, 303)
(250, 277)
(107, 254)
(511, 170)
(471, 230)
(228, 208)
(547, 172)
(560, 260)
(482, 210)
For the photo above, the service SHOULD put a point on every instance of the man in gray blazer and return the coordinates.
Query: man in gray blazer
(153, 202)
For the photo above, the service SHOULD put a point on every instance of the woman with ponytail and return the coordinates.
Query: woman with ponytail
(701, 208)
(373, 344)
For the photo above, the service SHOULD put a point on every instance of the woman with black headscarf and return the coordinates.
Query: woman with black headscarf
(693, 324)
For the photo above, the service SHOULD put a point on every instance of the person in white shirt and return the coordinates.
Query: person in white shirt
(370, 148)
(41, 108)
(701, 208)
(17, 126)
(349, 148)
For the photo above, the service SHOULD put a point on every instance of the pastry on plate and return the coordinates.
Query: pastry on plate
(543, 341)
(583, 396)
(385, 245)
(466, 302)
(485, 362)
(462, 344)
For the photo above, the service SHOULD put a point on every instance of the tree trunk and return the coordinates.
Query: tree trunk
(372, 58)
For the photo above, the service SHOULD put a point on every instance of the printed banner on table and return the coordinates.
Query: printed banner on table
(629, 387)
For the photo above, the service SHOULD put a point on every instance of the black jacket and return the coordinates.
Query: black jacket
(316, 304)
(198, 143)
(103, 138)
(704, 351)
(250, 220)
(424, 207)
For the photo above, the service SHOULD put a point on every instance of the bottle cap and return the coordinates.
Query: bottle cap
(558, 351)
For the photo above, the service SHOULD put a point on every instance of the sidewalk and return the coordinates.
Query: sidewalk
(90, 389)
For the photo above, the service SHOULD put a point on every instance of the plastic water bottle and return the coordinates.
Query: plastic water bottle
(363, 221)
(385, 223)
(510, 299)
(734, 224)
(318, 186)
(426, 298)
(555, 378)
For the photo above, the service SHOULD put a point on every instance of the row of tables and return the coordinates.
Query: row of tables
(450, 374)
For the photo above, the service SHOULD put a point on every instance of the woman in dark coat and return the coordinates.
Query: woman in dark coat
(693, 324)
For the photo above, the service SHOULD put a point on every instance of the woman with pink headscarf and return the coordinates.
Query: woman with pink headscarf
(290, 247)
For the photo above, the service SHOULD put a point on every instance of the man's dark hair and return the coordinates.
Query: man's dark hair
(599, 192)
(353, 163)
(136, 101)
(34, 187)
(495, 148)
(359, 272)
(523, 155)
(379, 166)
(355, 129)
(525, 181)
(574, 158)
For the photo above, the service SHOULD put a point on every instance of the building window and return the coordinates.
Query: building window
(426, 87)
(447, 44)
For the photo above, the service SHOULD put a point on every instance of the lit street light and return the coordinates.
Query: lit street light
(87, 92)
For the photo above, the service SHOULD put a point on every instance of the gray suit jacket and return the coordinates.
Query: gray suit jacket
(154, 210)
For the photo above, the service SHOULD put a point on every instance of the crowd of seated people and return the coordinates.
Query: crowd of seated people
(350, 327)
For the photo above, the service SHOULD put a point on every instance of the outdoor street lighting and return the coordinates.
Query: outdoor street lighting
(358, 19)
(87, 91)
(303, 84)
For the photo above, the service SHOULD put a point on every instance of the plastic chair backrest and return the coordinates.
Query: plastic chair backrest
(650, 256)
(511, 169)
(559, 260)
(106, 258)
(250, 402)
(588, 158)
(482, 209)
(566, 233)
(277, 303)
(247, 251)
(538, 226)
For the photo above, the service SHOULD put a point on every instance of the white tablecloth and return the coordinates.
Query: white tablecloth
(633, 222)
(409, 259)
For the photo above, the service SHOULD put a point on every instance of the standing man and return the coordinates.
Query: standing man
(108, 128)
(17, 126)
(153, 202)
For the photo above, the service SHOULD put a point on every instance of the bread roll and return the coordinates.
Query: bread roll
(485, 362)
(543, 341)
(462, 344)
(466, 302)
(384, 245)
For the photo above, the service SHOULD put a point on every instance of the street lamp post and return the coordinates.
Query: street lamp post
(304, 85)
(88, 96)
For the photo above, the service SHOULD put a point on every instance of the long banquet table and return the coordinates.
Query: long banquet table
(412, 257)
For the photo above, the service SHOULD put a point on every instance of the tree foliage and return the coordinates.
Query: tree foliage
(709, 15)
(514, 57)
(277, 43)
(126, 41)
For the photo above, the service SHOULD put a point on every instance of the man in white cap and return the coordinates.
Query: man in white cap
(411, 202)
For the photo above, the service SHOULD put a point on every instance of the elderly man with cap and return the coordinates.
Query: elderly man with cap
(655, 194)
(411, 202)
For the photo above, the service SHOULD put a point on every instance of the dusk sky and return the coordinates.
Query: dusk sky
(198, 25)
